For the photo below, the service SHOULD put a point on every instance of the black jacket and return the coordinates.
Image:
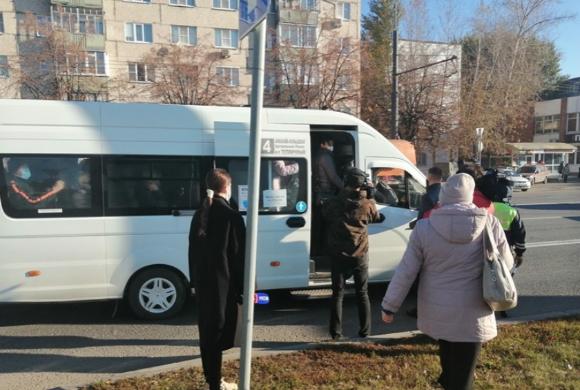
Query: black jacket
(325, 180)
(216, 265)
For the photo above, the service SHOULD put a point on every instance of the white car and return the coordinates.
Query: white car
(518, 181)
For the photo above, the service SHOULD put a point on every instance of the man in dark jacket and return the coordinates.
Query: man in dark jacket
(347, 216)
(431, 197)
(325, 184)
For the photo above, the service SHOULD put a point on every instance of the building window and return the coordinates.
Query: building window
(139, 1)
(183, 3)
(298, 35)
(345, 46)
(547, 124)
(572, 125)
(141, 72)
(308, 5)
(1, 23)
(343, 82)
(299, 74)
(139, 32)
(225, 4)
(89, 63)
(229, 76)
(79, 20)
(184, 34)
(344, 11)
(4, 71)
(226, 38)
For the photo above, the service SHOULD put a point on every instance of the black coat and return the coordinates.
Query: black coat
(216, 265)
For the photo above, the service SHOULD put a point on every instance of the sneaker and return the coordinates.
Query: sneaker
(336, 337)
(228, 386)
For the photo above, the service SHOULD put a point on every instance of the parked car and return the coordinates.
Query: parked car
(535, 173)
(518, 181)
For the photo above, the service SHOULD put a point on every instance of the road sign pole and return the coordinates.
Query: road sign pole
(259, 52)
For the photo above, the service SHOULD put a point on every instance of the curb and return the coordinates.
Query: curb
(234, 353)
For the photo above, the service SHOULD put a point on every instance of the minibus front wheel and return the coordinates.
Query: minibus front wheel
(156, 293)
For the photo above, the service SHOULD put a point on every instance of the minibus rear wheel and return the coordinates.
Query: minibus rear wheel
(156, 293)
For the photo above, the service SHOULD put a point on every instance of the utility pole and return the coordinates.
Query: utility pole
(394, 89)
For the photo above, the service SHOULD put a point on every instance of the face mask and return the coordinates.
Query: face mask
(23, 173)
(331, 149)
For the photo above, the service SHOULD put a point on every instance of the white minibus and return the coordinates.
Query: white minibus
(97, 198)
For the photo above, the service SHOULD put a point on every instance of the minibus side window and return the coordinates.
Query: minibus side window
(283, 184)
(153, 185)
(49, 186)
(397, 188)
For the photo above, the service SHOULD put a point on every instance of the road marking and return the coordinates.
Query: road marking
(559, 217)
(543, 204)
(552, 243)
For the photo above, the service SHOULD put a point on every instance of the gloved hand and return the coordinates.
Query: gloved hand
(518, 261)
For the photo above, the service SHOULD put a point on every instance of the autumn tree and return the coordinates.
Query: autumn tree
(55, 66)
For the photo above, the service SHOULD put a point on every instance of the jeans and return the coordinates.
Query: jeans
(343, 268)
(458, 362)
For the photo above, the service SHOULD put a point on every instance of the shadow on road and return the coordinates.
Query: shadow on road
(552, 207)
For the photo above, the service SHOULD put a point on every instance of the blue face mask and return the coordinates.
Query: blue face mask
(24, 173)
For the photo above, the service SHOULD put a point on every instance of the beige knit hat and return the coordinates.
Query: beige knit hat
(457, 189)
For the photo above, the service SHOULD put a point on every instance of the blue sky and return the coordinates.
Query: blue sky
(566, 35)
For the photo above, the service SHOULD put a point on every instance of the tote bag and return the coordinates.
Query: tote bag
(499, 290)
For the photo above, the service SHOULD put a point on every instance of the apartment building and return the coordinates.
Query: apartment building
(145, 50)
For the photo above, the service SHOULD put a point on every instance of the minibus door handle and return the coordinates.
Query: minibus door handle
(296, 222)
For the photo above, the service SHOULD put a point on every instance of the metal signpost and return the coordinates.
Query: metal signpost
(252, 20)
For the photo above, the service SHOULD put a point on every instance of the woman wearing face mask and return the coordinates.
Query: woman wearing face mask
(216, 266)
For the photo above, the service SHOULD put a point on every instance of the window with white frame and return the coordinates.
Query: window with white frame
(344, 11)
(572, 123)
(139, 32)
(88, 63)
(186, 35)
(225, 4)
(299, 74)
(4, 71)
(225, 38)
(298, 35)
(228, 76)
(139, 72)
(183, 3)
(308, 5)
(78, 20)
(1, 23)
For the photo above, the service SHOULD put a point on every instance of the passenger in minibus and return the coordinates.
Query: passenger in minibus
(286, 178)
(325, 184)
(21, 193)
(151, 195)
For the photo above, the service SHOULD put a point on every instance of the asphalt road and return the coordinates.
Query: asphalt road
(52, 345)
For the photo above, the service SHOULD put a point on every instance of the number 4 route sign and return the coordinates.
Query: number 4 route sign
(252, 12)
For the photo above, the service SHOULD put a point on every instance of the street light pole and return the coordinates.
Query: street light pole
(479, 143)
(394, 91)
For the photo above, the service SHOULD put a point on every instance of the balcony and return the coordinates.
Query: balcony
(79, 3)
(90, 42)
(298, 16)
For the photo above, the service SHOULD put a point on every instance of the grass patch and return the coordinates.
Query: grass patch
(539, 355)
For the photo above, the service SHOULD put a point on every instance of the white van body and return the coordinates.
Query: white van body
(53, 257)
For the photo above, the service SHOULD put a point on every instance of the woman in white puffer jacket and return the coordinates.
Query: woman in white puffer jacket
(447, 250)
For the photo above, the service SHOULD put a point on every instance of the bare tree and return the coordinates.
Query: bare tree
(325, 75)
(53, 65)
(188, 75)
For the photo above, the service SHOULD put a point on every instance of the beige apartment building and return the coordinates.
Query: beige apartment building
(145, 50)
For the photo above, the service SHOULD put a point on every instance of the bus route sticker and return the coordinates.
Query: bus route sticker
(243, 197)
(283, 146)
(301, 206)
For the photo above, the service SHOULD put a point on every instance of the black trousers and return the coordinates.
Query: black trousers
(458, 362)
(342, 269)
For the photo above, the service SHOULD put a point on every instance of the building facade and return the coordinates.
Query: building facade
(171, 51)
